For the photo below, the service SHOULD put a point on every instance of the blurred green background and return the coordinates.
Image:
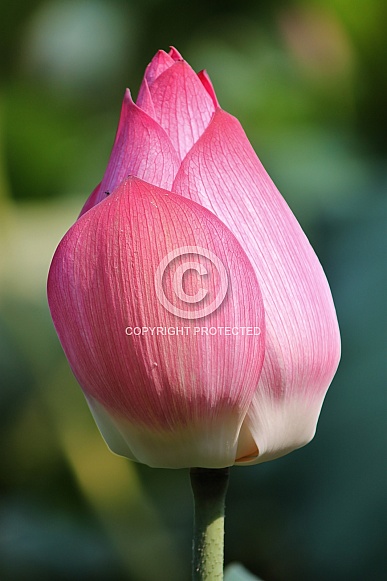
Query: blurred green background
(308, 80)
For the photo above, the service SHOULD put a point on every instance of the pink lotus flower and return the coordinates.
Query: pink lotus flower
(187, 232)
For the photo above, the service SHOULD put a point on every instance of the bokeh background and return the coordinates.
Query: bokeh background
(308, 80)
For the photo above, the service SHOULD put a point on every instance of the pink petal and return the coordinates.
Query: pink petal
(223, 173)
(160, 63)
(142, 149)
(93, 199)
(174, 53)
(174, 401)
(144, 99)
(207, 84)
(182, 106)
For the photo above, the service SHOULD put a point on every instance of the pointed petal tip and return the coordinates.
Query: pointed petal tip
(160, 63)
(207, 84)
(128, 96)
(189, 108)
(161, 54)
(174, 53)
(144, 99)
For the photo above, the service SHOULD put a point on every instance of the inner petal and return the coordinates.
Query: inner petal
(182, 105)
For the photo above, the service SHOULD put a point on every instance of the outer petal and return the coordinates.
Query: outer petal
(223, 173)
(141, 148)
(182, 105)
(175, 400)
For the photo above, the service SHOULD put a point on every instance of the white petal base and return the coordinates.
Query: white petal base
(209, 446)
(277, 427)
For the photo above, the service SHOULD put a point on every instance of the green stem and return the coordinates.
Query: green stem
(209, 486)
